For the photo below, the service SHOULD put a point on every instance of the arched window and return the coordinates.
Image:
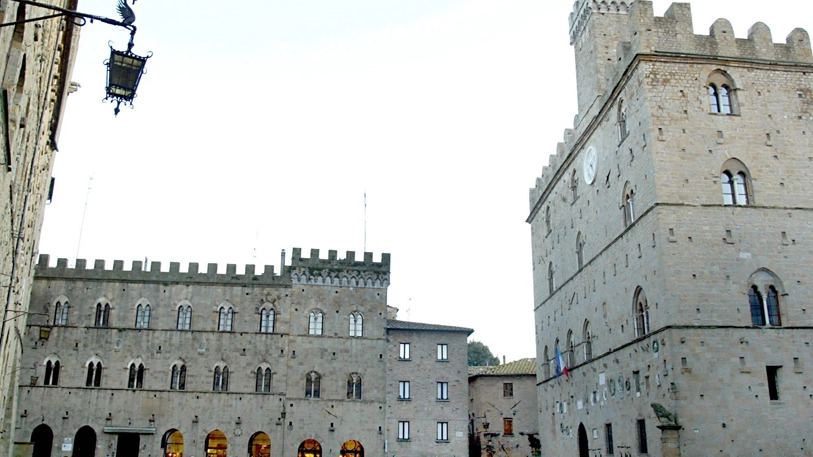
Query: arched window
(736, 182)
(102, 315)
(587, 341)
(259, 445)
(722, 96)
(267, 320)
(178, 380)
(94, 374)
(263, 380)
(356, 324)
(142, 316)
(628, 204)
(764, 310)
(315, 319)
(546, 363)
(225, 319)
(309, 448)
(216, 444)
(641, 310)
(570, 359)
(184, 317)
(621, 115)
(312, 381)
(52, 373)
(354, 386)
(551, 283)
(135, 379)
(352, 448)
(61, 313)
(547, 219)
(574, 186)
(220, 383)
(580, 250)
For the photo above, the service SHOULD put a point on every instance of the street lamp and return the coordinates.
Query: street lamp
(124, 68)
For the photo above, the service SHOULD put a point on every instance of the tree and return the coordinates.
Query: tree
(480, 355)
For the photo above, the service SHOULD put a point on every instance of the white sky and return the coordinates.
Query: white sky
(261, 124)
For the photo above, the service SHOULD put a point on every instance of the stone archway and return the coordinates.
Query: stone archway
(584, 451)
(172, 443)
(43, 439)
(259, 445)
(84, 442)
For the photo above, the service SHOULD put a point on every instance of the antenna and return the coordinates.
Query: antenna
(84, 212)
(365, 221)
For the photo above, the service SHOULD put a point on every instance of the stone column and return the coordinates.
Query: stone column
(670, 440)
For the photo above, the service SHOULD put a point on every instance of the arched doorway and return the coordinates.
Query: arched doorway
(583, 450)
(127, 445)
(172, 443)
(43, 439)
(310, 448)
(84, 442)
(352, 448)
(216, 444)
(259, 445)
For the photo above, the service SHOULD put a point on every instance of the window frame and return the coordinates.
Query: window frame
(184, 321)
(354, 386)
(442, 435)
(443, 391)
(507, 426)
(177, 380)
(640, 429)
(313, 384)
(267, 320)
(772, 372)
(608, 439)
(404, 392)
(52, 369)
(263, 379)
(220, 378)
(443, 352)
(403, 351)
(61, 313)
(225, 319)
(143, 312)
(94, 373)
(135, 378)
(102, 314)
(316, 322)
(508, 390)
(356, 324)
(403, 430)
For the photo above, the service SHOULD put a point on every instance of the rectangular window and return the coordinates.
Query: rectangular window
(508, 426)
(443, 352)
(642, 447)
(403, 430)
(608, 438)
(773, 382)
(637, 376)
(403, 390)
(403, 351)
(443, 391)
(443, 431)
(508, 389)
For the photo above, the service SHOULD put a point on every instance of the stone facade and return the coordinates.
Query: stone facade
(36, 75)
(670, 268)
(502, 410)
(222, 364)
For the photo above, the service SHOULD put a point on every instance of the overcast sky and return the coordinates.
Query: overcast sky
(260, 125)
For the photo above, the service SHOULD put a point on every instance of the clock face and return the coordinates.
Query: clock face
(590, 165)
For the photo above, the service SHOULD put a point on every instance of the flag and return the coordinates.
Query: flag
(561, 368)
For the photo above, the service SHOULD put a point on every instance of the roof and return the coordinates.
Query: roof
(517, 367)
(393, 324)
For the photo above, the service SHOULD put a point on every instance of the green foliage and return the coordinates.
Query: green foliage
(480, 355)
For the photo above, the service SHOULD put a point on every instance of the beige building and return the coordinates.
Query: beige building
(36, 68)
(670, 241)
(503, 414)
(304, 362)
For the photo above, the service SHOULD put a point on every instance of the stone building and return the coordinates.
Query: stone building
(670, 235)
(302, 362)
(502, 410)
(36, 67)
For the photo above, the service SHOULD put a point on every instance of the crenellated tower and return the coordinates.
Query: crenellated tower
(595, 29)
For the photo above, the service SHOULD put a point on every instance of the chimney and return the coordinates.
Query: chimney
(282, 262)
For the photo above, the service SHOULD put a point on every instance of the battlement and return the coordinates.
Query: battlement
(139, 273)
(345, 272)
(637, 31)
